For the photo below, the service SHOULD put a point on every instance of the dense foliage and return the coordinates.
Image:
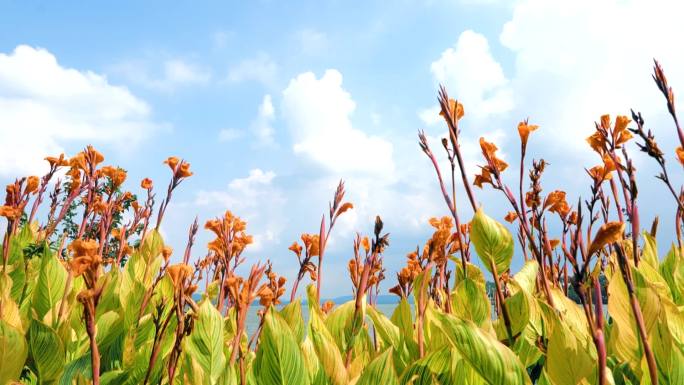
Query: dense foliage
(90, 294)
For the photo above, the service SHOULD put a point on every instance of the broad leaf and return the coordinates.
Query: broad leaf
(279, 360)
(493, 242)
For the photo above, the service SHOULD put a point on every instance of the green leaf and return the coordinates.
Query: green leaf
(649, 252)
(387, 332)
(434, 368)
(470, 301)
(379, 371)
(13, 352)
(403, 319)
(492, 241)
(292, 313)
(206, 341)
(77, 368)
(338, 322)
(567, 346)
(9, 311)
(50, 286)
(527, 276)
(328, 353)
(151, 246)
(47, 351)
(492, 360)
(672, 271)
(278, 359)
(17, 261)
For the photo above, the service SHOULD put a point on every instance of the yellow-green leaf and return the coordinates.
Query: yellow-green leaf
(492, 360)
(493, 242)
(278, 359)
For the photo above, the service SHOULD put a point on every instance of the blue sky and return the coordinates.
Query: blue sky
(273, 102)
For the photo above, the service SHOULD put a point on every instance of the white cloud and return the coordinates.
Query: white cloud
(43, 106)
(262, 125)
(261, 69)
(473, 76)
(318, 114)
(168, 76)
(577, 60)
(241, 192)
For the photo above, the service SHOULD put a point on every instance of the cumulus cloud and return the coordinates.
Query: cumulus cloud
(260, 68)
(241, 193)
(470, 72)
(44, 106)
(318, 114)
(577, 60)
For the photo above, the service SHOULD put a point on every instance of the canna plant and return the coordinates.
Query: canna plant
(93, 295)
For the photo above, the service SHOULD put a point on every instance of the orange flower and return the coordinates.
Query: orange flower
(608, 233)
(455, 110)
(75, 174)
(115, 174)
(484, 177)
(296, 248)
(172, 161)
(32, 184)
(597, 142)
(489, 151)
(555, 200)
(85, 256)
(524, 130)
(166, 253)
(327, 306)
(620, 132)
(488, 148)
(99, 206)
(184, 171)
(178, 273)
(511, 217)
(311, 244)
(214, 225)
(78, 161)
(680, 155)
(95, 156)
(366, 244)
(57, 161)
(9, 212)
(599, 174)
(146, 184)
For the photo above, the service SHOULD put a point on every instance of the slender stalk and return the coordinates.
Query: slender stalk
(504, 310)
(91, 329)
(638, 315)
